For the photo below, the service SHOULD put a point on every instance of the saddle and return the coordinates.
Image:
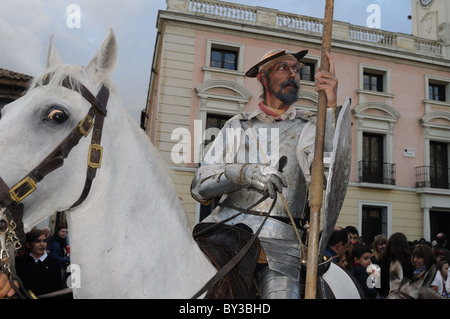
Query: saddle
(221, 244)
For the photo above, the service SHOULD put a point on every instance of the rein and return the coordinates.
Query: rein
(11, 198)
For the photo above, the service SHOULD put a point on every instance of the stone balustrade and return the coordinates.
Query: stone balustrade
(303, 24)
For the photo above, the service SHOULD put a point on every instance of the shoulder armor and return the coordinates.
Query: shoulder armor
(306, 115)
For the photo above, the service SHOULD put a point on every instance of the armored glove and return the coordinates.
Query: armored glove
(259, 176)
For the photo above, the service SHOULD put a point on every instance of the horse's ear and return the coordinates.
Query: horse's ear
(104, 62)
(53, 57)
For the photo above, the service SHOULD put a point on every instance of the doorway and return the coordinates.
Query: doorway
(440, 223)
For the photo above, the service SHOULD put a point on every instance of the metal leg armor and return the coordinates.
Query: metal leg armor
(274, 285)
(281, 278)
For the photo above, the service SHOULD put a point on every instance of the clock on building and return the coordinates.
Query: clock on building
(425, 2)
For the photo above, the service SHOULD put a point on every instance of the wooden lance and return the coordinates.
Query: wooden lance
(317, 169)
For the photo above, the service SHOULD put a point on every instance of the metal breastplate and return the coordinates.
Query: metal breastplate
(296, 191)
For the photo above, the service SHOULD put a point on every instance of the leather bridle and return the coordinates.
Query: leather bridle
(11, 206)
(11, 198)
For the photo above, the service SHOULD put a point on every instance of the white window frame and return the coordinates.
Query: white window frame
(232, 46)
(435, 132)
(377, 124)
(388, 209)
(310, 59)
(375, 69)
(436, 80)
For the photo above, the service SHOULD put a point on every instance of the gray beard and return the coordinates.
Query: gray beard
(287, 98)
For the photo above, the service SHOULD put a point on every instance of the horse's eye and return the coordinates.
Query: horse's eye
(57, 116)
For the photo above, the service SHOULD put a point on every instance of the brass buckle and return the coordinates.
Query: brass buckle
(22, 189)
(86, 125)
(95, 156)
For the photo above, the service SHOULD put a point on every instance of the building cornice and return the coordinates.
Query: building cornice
(301, 39)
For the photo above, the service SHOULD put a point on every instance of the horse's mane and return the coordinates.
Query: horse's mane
(54, 77)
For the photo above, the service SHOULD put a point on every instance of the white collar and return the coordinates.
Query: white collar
(42, 258)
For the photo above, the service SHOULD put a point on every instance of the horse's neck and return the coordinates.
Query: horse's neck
(134, 217)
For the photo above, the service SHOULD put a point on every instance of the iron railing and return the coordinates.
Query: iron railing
(376, 172)
(432, 176)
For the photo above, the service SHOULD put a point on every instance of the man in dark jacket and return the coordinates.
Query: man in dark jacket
(441, 244)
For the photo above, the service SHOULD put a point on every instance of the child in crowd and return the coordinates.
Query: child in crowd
(441, 283)
(361, 255)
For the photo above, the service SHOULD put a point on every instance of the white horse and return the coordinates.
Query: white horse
(130, 237)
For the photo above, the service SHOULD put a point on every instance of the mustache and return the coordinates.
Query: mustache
(290, 82)
(292, 96)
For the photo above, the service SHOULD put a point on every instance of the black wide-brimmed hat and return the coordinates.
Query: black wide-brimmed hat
(271, 55)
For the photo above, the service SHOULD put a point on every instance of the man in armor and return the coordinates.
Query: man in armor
(242, 165)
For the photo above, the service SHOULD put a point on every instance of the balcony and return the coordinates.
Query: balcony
(376, 172)
(433, 177)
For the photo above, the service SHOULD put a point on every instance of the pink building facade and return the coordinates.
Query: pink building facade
(399, 85)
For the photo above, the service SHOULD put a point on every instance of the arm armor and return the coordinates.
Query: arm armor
(210, 182)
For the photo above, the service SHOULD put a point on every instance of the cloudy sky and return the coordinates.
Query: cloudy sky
(26, 26)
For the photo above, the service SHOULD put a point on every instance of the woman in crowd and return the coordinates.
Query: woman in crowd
(397, 249)
(378, 247)
(38, 271)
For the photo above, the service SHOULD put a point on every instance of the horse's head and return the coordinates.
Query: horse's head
(32, 128)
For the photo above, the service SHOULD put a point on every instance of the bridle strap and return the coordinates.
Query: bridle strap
(98, 102)
(95, 150)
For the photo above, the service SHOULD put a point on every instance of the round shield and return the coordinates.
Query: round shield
(339, 174)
